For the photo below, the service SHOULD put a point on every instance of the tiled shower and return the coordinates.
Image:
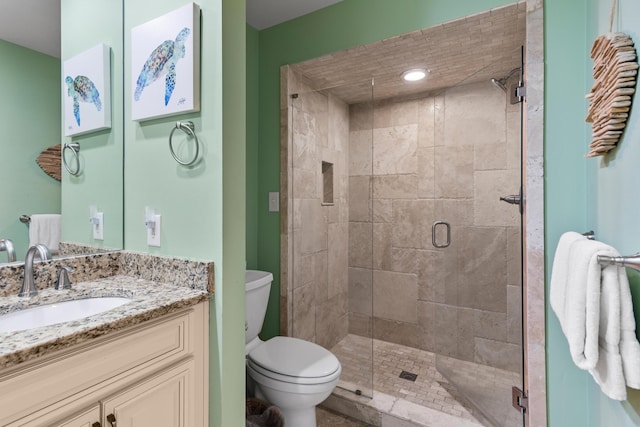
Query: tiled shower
(363, 184)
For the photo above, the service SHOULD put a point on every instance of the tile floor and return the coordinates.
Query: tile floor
(462, 389)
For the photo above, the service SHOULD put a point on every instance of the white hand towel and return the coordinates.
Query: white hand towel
(568, 298)
(45, 229)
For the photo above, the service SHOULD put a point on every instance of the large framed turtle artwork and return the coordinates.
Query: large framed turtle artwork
(86, 91)
(165, 65)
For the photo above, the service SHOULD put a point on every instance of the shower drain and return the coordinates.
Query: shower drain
(405, 375)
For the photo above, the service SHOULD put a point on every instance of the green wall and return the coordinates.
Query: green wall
(346, 24)
(100, 182)
(253, 140)
(565, 190)
(30, 122)
(202, 207)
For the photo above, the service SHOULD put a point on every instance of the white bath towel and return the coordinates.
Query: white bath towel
(593, 304)
(45, 229)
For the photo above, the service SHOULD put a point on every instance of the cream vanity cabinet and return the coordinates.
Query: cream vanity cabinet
(152, 374)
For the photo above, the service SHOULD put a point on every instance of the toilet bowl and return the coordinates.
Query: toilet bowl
(293, 374)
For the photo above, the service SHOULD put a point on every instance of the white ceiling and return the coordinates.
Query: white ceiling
(263, 14)
(36, 23)
(32, 23)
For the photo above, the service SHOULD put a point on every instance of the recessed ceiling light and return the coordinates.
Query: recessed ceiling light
(414, 74)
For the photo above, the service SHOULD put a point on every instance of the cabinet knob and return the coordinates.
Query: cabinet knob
(96, 424)
(112, 420)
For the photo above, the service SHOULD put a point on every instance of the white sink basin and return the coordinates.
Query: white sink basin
(51, 314)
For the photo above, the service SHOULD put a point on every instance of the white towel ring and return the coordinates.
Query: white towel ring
(75, 149)
(189, 129)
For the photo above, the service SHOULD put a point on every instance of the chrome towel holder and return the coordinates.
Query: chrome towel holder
(75, 149)
(189, 129)
(631, 261)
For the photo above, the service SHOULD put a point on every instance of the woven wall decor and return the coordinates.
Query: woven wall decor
(615, 68)
(50, 161)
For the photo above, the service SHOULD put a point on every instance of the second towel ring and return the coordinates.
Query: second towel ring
(189, 129)
(75, 149)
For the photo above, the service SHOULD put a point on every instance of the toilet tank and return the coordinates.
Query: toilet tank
(257, 287)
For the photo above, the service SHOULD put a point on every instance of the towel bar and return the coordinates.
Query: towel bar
(632, 261)
(25, 219)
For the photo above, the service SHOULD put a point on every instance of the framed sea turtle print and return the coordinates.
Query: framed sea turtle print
(86, 91)
(165, 65)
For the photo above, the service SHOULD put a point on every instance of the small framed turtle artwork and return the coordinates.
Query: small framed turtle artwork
(86, 91)
(165, 65)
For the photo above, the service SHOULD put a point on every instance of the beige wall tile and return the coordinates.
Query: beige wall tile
(514, 256)
(360, 245)
(395, 296)
(360, 324)
(513, 148)
(426, 322)
(361, 290)
(396, 332)
(491, 325)
(395, 113)
(382, 245)
(360, 153)
(383, 210)
(454, 172)
(465, 334)
(426, 172)
(490, 156)
(361, 116)
(426, 122)
(395, 187)
(338, 259)
(394, 150)
(498, 354)
(304, 313)
(360, 198)
(514, 315)
(457, 212)
(431, 275)
(489, 187)
(481, 107)
(445, 329)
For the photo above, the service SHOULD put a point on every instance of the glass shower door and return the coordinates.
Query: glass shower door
(478, 319)
(331, 227)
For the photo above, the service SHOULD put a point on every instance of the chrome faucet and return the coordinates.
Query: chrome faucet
(28, 284)
(7, 245)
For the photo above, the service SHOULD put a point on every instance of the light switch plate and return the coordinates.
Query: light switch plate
(274, 201)
(153, 233)
(98, 228)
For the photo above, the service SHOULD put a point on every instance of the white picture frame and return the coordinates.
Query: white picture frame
(165, 65)
(86, 91)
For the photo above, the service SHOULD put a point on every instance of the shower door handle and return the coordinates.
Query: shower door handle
(433, 234)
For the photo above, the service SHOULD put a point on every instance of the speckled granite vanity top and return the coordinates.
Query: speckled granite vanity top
(184, 283)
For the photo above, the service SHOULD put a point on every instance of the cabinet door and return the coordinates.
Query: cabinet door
(51, 418)
(88, 418)
(164, 400)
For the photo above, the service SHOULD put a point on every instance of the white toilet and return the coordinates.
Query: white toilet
(293, 374)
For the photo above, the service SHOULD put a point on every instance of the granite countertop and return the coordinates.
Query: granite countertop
(150, 300)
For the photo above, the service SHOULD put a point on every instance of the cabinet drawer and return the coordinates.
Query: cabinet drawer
(87, 371)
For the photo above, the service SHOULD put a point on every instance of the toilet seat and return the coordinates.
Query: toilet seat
(294, 361)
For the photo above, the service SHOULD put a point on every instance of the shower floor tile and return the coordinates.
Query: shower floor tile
(430, 388)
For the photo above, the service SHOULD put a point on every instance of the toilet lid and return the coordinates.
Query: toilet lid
(295, 358)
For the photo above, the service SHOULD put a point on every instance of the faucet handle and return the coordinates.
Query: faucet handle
(63, 278)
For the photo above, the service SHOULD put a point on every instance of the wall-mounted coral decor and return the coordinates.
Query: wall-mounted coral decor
(615, 68)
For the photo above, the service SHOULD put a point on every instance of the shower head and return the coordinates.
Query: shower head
(499, 84)
(502, 81)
